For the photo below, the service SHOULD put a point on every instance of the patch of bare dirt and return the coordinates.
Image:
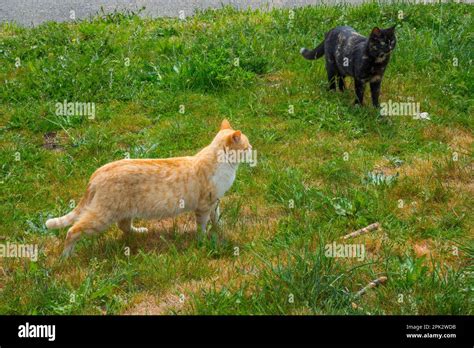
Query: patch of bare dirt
(422, 248)
(146, 305)
(51, 141)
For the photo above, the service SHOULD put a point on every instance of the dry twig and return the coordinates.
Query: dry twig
(372, 227)
(371, 285)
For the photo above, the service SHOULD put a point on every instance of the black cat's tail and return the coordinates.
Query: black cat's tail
(313, 54)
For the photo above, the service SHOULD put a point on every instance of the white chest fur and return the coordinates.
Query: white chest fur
(223, 177)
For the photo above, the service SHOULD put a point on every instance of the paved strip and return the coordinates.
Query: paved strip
(35, 12)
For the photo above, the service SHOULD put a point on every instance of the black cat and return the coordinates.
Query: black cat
(349, 53)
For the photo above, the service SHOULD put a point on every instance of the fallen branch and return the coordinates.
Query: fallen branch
(371, 285)
(372, 227)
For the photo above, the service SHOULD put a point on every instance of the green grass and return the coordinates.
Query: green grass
(323, 171)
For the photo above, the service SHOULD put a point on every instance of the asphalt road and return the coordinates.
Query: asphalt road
(34, 12)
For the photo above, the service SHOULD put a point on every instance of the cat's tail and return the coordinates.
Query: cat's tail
(313, 54)
(72, 216)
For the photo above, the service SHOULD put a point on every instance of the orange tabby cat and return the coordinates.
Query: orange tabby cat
(155, 188)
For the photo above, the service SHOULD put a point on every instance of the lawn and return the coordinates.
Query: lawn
(325, 167)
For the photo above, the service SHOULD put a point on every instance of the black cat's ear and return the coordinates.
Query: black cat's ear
(376, 32)
(391, 30)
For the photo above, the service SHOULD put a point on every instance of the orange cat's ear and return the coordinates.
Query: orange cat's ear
(225, 125)
(236, 136)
